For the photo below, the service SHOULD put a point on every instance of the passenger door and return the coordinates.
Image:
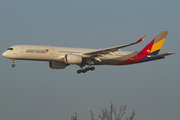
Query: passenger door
(21, 49)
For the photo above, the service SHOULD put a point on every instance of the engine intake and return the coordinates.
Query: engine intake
(72, 59)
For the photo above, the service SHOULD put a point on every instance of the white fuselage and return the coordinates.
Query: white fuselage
(52, 53)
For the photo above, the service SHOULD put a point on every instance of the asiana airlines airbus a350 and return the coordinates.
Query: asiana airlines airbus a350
(61, 57)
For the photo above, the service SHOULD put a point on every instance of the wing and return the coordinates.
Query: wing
(103, 52)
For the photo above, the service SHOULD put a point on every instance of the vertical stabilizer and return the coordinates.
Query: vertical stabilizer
(158, 42)
(151, 49)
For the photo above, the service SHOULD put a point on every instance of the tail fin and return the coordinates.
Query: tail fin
(158, 42)
(150, 52)
(153, 47)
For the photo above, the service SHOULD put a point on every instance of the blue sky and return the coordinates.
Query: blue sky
(32, 90)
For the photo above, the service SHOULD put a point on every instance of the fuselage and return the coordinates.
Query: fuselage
(52, 53)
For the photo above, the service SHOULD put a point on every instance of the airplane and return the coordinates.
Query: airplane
(61, 57)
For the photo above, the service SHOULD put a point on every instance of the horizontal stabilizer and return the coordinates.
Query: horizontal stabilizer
(160, 55)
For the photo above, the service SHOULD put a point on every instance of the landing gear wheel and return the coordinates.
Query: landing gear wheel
(83, 71)
(92, 68)
(13, 65)
(79, 71)
(87, 69)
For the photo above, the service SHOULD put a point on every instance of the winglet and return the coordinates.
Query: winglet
(141, 39)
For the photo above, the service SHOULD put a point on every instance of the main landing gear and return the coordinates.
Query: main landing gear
(13, 61)
(85, 70)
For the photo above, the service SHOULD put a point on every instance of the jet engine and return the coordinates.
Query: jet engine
(72, 59)
(57, 65)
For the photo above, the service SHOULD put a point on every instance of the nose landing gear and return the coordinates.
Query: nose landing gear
(13, 61)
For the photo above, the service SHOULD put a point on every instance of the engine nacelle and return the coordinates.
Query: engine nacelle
(57, 65)
(73, 59)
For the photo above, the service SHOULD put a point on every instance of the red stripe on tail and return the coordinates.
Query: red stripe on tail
(146, 51)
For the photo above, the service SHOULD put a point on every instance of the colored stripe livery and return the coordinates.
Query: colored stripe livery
(151, 49)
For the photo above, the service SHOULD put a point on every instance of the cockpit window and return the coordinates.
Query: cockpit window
(10, 49)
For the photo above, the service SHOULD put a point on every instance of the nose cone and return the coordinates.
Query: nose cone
(4, 54)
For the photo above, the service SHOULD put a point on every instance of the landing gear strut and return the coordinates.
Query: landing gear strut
(86, 69)
(13, 61)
